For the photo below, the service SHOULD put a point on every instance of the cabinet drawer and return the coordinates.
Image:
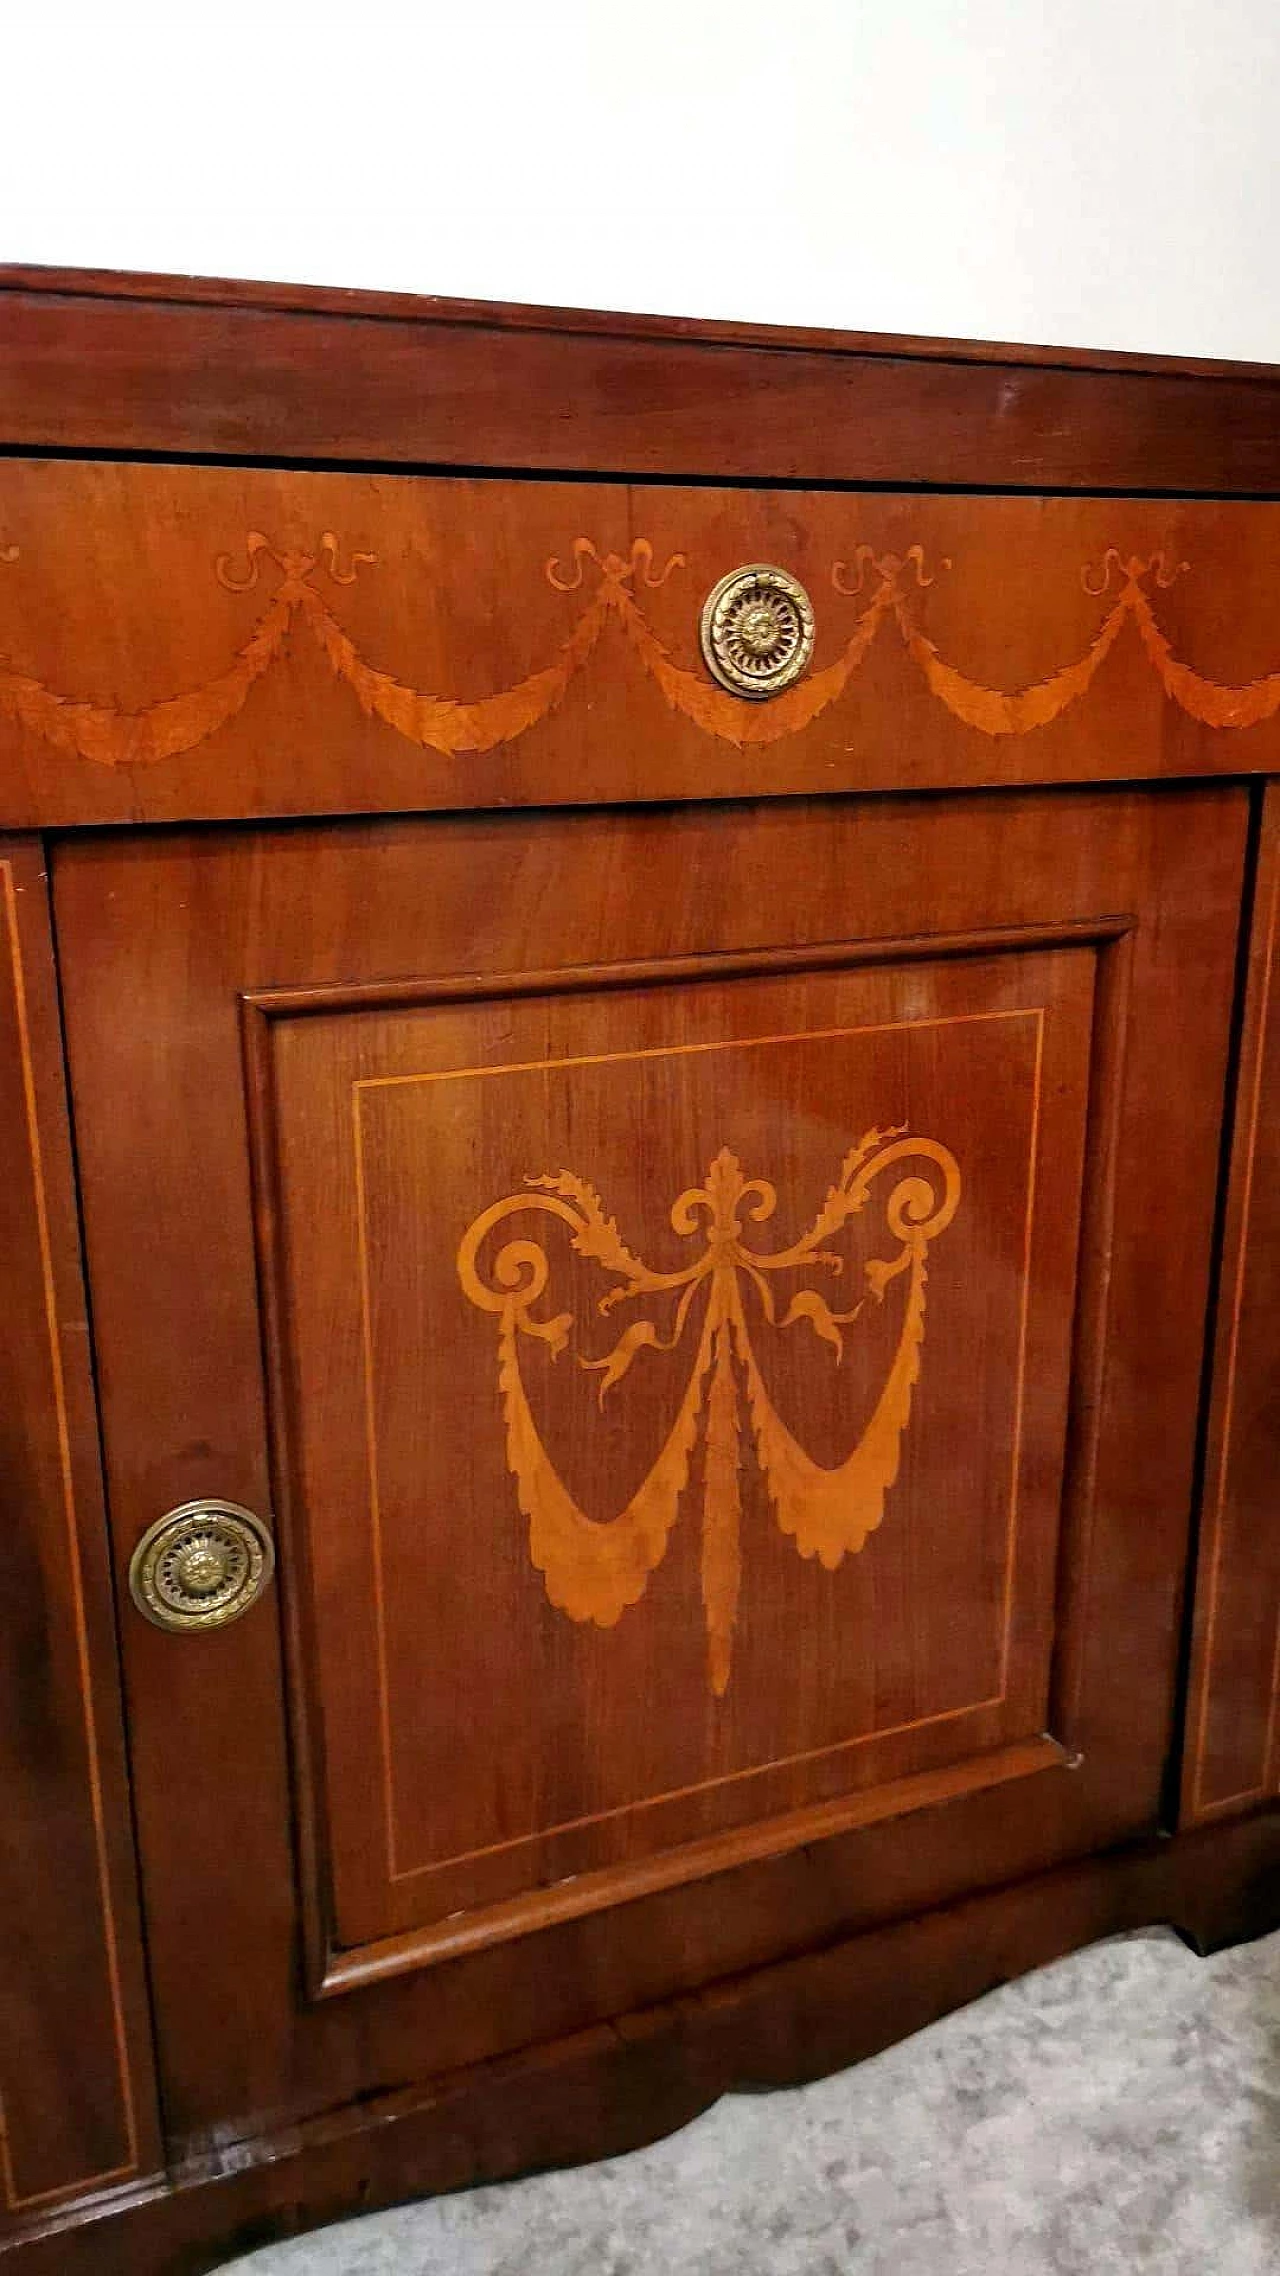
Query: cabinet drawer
(191, 642)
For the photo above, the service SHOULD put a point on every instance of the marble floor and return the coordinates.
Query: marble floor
(1119, 2111)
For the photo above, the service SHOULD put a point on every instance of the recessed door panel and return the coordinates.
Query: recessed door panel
(678, 1398)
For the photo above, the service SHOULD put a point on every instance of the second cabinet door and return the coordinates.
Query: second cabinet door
(708, 1306)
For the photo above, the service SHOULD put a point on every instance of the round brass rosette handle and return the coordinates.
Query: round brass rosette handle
(201, 1566)
(757, 630)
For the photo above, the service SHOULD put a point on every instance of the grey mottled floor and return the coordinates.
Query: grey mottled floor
(1118, 2111)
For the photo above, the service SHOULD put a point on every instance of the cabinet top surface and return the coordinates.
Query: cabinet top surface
(200, 367)
(366, 305)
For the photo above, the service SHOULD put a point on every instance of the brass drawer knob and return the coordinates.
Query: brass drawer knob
(201, 1566)
(757, 630)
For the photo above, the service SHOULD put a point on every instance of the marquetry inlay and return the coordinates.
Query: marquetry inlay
(714, 1308)
(448, 723)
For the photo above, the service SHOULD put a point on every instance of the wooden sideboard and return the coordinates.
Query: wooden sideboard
(641, 1066)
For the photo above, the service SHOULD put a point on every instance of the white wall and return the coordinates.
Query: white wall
(1097, 172)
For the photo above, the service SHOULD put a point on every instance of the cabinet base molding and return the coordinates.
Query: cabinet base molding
(625, 2083)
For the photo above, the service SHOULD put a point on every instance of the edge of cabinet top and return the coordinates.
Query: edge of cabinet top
(194, 367)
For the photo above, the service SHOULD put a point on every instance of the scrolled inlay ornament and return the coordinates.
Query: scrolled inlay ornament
(757, 630)
(715, 1307)
(201, 1566)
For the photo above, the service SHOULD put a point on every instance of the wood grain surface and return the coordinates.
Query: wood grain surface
(164, 935)
(692, 1220)
(77, 2108)
(191, 367)
(183, 643)
(803, 1672)
(1233, 1729)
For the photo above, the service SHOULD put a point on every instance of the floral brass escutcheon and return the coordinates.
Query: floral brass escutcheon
(594, 1569)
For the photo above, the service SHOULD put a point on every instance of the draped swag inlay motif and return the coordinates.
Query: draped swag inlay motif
(174, 724)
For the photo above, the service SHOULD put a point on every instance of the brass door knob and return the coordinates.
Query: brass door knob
(757, 630)
(201, 1566)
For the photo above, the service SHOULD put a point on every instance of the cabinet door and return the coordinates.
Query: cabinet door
(709, 1305)
(77, 2115)
(1232, 1759)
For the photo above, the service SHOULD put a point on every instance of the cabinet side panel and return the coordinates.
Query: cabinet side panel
(1233, 1740)
(75, 2090)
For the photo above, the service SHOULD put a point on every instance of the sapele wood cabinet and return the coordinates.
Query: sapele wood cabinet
(638, 1376)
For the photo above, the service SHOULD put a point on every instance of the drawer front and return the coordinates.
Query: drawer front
(187, 642)
(691, 1295)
